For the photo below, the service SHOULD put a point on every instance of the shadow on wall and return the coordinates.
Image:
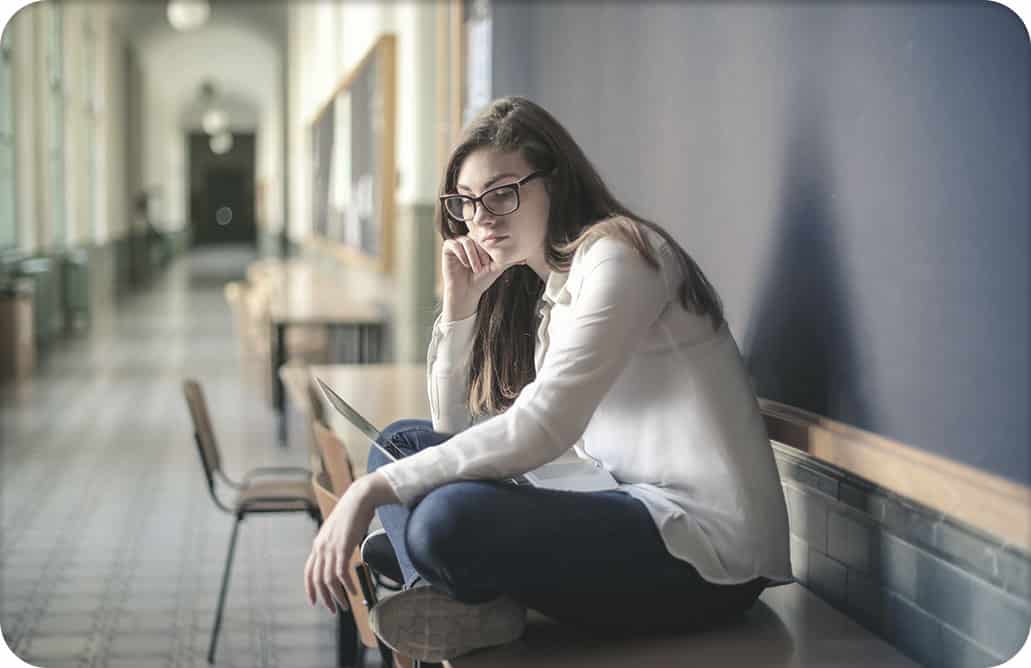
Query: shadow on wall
(799, 344)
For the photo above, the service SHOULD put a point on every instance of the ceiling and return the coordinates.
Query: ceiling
(142, 21)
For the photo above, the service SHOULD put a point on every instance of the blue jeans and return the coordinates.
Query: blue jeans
(593, 559)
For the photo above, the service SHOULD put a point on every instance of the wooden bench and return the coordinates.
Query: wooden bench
(788, 626)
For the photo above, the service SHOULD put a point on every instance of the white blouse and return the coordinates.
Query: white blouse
(638, 384)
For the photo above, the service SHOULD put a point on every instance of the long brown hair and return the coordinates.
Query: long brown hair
(582, 208)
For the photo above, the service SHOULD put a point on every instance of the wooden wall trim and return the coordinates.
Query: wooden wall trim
(995, 505)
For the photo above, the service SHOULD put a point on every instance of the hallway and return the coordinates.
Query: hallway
(112, 551)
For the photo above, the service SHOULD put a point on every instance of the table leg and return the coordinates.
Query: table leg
(349, 649)
(278, 359)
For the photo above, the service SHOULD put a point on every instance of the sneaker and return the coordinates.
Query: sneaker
(428, 625)
(378, 554)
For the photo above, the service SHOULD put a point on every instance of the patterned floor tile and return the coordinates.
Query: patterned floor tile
(118, 561)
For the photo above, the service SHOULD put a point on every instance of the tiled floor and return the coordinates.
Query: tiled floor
(110, 549)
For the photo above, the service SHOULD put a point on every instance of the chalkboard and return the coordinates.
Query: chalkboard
(352, 162)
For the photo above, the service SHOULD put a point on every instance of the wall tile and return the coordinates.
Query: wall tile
(799, 558)
(913, 524)
(959, 651)
(915, 632)
(966, 549)
(1014, 573)
(850, 542)
(807, 475)
(997, 620)
(898, 566)
(855, 494)
(865, 600)
(807, 515)
(827, 578)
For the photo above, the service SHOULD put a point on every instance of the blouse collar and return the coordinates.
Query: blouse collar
(555, 291)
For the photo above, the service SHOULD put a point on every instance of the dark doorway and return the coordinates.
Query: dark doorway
(222, 191)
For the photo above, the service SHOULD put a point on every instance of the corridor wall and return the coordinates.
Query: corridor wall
(853, 178)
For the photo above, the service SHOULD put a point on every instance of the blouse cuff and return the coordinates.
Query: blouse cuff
(405, 480)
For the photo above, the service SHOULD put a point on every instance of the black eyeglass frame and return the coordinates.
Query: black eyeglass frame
(479, 200)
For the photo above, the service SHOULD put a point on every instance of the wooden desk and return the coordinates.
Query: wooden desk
(382, 393)
(363, 320)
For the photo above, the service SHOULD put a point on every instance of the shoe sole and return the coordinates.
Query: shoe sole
(430, 626)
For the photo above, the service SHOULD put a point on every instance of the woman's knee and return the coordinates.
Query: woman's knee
(442, 536)
(402, 426)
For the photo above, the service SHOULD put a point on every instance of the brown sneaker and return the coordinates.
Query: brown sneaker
(428, 625)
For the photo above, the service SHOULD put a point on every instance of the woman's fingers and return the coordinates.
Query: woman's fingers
(332, 581)
(472, 251)
(309, 574)
(338, 591)
(485, 259)
(323, 570)
(345, 577)
(457, 250)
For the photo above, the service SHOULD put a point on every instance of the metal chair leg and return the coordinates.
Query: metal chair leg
(222, 594)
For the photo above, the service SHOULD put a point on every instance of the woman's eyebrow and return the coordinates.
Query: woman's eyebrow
(491, 181)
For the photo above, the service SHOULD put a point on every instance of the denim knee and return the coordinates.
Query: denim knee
(376, 460)
(403, 425)
(440, 540)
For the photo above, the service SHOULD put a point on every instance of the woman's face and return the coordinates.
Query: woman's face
(518, 236)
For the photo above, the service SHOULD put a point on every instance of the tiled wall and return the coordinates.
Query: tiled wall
(943, 593)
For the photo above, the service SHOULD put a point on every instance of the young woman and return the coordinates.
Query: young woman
(567, 321)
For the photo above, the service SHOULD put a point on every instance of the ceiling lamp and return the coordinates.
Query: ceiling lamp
(214, 121)
(188, 14)
(221, 143)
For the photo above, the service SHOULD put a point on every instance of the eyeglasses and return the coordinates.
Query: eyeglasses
(499, 200)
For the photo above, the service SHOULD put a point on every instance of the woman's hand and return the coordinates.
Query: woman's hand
(326, 574)
(468, 271)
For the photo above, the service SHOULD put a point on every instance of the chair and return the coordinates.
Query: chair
(377, 552)
(335, 460)
(329, 485)
(262, 490)
(327, 501)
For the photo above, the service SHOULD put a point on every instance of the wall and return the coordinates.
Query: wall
(245, 66)
(325, 42)
(94, 174)
(852, 177)
(945, 594)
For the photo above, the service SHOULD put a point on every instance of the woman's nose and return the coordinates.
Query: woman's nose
(482, 216)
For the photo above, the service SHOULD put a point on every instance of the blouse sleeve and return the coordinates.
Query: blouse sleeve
(620, 297)
(447, 373)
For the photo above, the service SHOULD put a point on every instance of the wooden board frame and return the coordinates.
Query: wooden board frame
(450, 63)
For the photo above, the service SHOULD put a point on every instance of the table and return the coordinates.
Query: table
(364, 320)
(382, 393)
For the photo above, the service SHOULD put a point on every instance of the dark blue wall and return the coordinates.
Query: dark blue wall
(853, 177)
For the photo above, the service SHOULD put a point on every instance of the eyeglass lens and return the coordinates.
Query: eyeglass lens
(499, 202)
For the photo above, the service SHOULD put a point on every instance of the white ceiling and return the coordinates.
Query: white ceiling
(144, 20)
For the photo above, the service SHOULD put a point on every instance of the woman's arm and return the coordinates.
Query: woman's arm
(447, 373)
(326, 573)
(619, 299)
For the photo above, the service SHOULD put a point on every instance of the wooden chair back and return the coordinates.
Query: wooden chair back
(335, 459)
(327, 500)
(204, 434)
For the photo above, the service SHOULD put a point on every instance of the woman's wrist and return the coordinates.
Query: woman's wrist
(453, 312)
(375, 490)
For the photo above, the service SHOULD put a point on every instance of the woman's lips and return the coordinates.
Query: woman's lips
(492, 240)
